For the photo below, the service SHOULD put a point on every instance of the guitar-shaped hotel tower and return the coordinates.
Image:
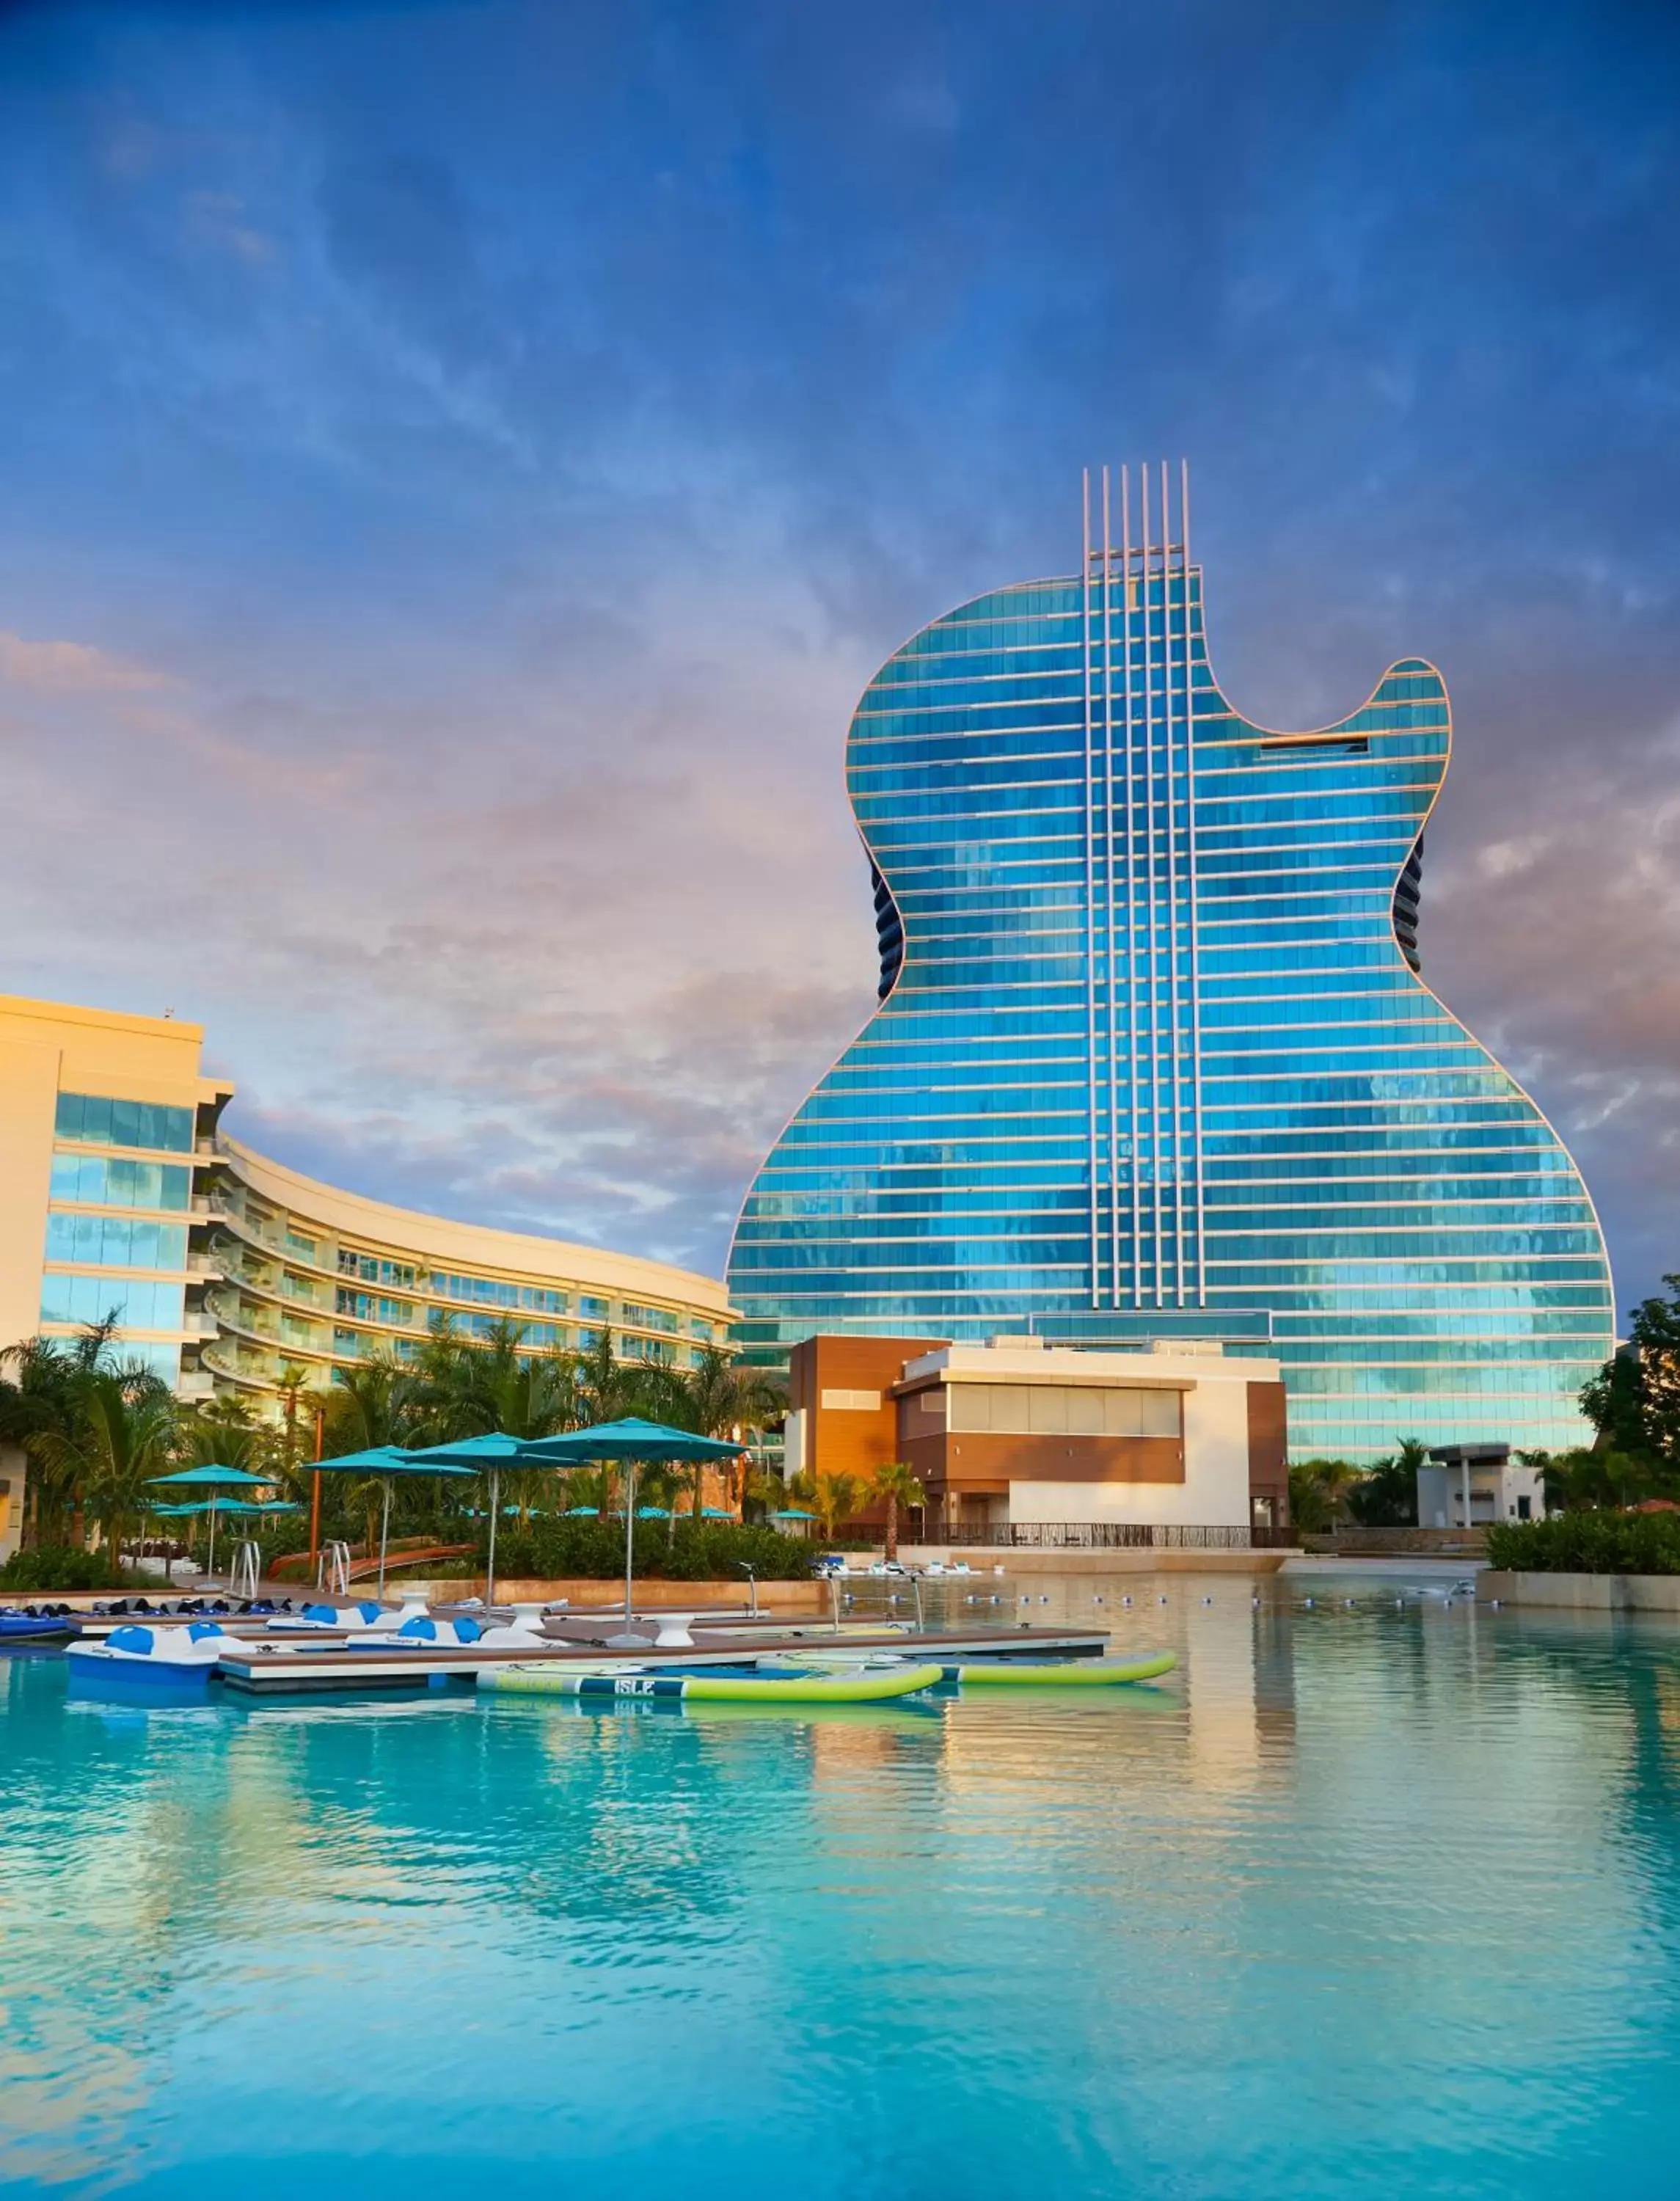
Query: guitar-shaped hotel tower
(1154, 1057)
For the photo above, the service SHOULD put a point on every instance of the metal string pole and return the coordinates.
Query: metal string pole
(1196, 948)
(1090, 901)
(1171, 888)
(1131, 894)
(629, 1541)
(1108, 855)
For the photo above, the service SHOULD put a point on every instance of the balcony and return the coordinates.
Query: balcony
(237, 1367)
(229, 1315)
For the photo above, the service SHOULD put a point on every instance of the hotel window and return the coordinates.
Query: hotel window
(1063, 1410)
(346, 1340)
(648, 1318)
(102, 1122)
(371, 1270)
(491, 1291)
(368, 1308)
(136, 1304)
(115, 1241)
(107, 1181)
(306, 1248)
(598, 1310)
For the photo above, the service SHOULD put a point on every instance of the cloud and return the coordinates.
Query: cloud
(617, 396)
(74, 668)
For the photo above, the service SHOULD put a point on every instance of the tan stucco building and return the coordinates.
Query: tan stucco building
(121, 1191)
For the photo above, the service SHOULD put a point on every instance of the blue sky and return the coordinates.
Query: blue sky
(461, 464)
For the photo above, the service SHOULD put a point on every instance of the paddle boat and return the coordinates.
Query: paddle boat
(337, 1619)
(421, 1630)
(1010, 1673)
(168, 1653)
(1059, 1674)
(31, 1624)
(860, 1682)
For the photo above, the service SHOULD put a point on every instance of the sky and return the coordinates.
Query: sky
(460, 465)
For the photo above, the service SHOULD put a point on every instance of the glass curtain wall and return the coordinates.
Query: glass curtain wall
(1155, 1056)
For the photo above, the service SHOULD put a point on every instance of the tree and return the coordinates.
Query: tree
(897, 1482)
(1319, 1492)
(40, 1402)
(837, 1497)
(123, 1437)
(1387, 1498)
(1634, 1400)
(1590, 1479)
(722, 1397)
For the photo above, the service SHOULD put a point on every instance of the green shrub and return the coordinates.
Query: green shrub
(698, 1551)
(59, 1566)
(1588, 1544)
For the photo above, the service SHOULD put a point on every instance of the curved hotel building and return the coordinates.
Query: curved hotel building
(120, 1190)
(1155, 1058)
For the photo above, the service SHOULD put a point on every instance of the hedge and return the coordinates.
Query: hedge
(59, 1566)
(698, 1552)
(1588, 1544)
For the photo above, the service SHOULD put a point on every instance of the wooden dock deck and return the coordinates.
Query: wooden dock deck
(292, 1668)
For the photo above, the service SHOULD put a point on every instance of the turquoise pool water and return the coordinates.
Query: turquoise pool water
(1365, 1901)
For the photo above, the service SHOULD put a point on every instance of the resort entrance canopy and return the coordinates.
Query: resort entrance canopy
(386, 1463)
(634, 1443)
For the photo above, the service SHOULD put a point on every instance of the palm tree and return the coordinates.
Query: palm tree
(124, 1437)
(723, 1397)
(373, 1404)
(1319, 1490)
(837, 1497)
(44, 1402)
(897, 1482)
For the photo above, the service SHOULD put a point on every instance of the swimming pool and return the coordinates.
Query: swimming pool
(1362, 1900)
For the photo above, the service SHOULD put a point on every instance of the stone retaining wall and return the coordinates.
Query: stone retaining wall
(1581, 1593)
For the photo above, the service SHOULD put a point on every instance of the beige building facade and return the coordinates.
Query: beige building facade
(122, 1192)
(1018, 1435)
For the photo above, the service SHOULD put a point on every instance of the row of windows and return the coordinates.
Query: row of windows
(116, 1242)
(105, 1123)
(492, 1291)
(109, 1181)
(137, 1304)
(464, 1289)
(367, 1307)
(375, 1268)
(649, 1318)
(1060, 1410)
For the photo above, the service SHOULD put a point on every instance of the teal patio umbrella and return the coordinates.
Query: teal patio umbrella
(583, 1513)
(653, 1513)
(387, 1462)
(211, 1476)
(715, 1513)
(485, 1455)
(634, 1443)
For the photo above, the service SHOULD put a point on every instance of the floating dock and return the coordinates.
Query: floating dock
(295, 1668)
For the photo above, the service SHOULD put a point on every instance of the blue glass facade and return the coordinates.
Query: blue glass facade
(1155, 1056)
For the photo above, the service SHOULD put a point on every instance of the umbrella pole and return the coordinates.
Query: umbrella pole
(629, 1541)
(211, 1568)
(384, 1535)
(494, 1508)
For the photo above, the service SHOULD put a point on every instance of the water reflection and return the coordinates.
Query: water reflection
(1359, 1897)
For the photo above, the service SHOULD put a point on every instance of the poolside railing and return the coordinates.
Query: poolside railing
(1094, 1535)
